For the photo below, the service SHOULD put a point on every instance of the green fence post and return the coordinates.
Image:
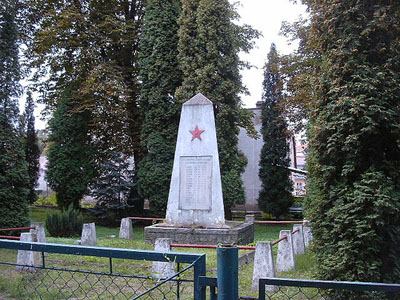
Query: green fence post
(199, 270)
(228, 272)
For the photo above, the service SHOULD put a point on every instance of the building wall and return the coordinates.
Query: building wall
(252, 149)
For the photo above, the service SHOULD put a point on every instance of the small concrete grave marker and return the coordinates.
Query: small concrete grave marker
(285, 259)
(263, 265)
(298, 240)
(163, 270)
(126, 230)
(29, 258)
(89, 234)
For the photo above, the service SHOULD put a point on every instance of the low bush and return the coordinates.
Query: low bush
(47, 201)
(66, 223)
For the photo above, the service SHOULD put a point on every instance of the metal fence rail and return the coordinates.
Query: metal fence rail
(79, 272)
(283, 288)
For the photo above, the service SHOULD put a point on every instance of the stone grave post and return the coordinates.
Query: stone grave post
(163, 270)
(263, 265)
(126, 229)
(89, 235)
(29, 258)
(285, 259)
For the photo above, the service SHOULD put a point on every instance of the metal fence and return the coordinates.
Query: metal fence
(81, 272)
(282, 288)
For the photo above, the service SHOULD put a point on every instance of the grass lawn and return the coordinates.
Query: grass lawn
(10, 278)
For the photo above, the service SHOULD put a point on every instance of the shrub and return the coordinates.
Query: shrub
(47, 201)
(66, 223)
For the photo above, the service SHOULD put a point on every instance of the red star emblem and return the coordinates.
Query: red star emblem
(196, 133)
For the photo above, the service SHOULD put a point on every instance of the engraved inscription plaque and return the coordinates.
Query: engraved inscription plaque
(195, 182)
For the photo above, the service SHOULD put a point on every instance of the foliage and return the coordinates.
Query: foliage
(209, 43)
(160, 109)
(93, 43)
(275, 195)
(13, 166)
(297, 71)
(354, 162)
(32, 151)
(114, 190)
(67, 223)
(69, 167)
(50, 200)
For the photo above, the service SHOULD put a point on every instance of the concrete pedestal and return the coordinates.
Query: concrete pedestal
(126, 230)
(263, 265)
(163, 270)
(89, 235)
(28, 258)
(231, 233)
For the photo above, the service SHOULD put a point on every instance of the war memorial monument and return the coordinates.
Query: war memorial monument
(195, 211)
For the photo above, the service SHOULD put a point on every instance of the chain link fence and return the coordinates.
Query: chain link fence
(69, 276)
(296, 289)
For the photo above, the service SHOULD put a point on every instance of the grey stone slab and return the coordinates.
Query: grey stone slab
(89, 234)
(263, 265)
(285, 260)
(163, 270)
(29, 258)
(237, 233)
(126, 229)
(195, 191)
(195, 196)
(298, 240)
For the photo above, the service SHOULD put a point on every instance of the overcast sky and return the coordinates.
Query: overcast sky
(265, 16)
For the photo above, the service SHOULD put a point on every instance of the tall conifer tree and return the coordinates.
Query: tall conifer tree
(32, 151)
(354, 189)
(70, 158)
(275, 195)
(160, 78)
(13, 166)
(209, 43)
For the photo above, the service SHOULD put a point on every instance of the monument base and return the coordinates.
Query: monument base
(233, 233)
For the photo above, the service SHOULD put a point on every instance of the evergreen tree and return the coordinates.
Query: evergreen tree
(13, 166)
(160, 78)
(32, 151)
(275, 195)
(354, 162)
(70, 158)
(209, 43)
(112, 189)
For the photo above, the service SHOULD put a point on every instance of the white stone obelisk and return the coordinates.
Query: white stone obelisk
(195, 195)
